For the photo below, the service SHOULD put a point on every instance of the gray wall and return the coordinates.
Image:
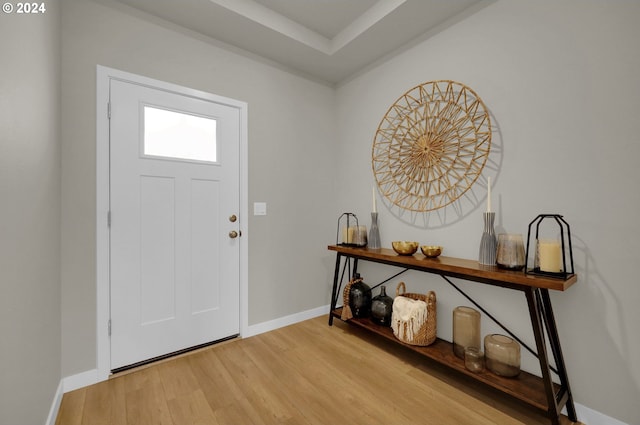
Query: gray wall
(291, 151)
(29, 215)
(561, 81)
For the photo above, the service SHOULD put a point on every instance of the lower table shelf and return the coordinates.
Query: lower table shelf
(525, 387)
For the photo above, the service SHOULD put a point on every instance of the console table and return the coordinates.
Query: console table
(541, 393)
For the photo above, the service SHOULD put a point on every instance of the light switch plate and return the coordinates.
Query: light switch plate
(259, 208)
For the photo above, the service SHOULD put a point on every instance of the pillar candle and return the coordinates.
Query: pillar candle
(349, 234)
(549, 255)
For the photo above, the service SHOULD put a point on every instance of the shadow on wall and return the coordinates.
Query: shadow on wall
(597, 313)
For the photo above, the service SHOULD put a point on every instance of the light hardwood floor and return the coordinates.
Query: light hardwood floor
(307, 373)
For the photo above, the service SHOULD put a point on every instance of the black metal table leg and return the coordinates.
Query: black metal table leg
(554, 341)
(334, 299)
(536, 321)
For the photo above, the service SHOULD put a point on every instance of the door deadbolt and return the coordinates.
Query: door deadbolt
(233, 218)
(233, 234)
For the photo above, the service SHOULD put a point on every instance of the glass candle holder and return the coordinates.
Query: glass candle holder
(466, 329)
(354, 235)
(510, 252)
(361, 239)
(502, 355)
(473, 359)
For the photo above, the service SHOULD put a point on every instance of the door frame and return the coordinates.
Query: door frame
(103, 77)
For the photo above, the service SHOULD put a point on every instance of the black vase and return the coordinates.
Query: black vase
(360, 299)
(381, 307)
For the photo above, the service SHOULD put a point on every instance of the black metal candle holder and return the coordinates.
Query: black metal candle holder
(566, 249)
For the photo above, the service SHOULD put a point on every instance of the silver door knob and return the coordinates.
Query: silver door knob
(233, 234)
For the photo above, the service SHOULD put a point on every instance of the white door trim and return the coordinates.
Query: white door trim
(103, 77)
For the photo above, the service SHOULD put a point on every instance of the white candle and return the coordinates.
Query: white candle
(489, 194)
(549, 255)
(373, 194)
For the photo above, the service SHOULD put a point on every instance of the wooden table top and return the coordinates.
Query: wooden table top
(457, 267)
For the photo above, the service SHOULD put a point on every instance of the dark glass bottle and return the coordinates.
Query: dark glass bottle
(381, 307)
(360, 299)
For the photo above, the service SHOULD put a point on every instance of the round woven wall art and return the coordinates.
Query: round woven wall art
(431, 145)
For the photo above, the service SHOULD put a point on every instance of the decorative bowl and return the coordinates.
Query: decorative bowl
(431, 251)
(405, 247)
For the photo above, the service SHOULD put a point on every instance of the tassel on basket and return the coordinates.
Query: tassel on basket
(346, 309)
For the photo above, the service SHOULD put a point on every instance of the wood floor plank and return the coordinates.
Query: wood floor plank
(305, 374)
(146, 402)
(102, 402)
(267, 399)
(217, 384)
(358, 379)
(235, 414)
(224, 396)
(192, 409)
(309, 399)
(177, 378)
(71, 408)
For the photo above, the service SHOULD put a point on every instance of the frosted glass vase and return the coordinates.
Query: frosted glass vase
(502, 355)
(466, 330)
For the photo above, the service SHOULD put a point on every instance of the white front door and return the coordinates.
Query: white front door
(174, 207)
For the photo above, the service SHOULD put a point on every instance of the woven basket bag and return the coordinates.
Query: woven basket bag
(427, 332)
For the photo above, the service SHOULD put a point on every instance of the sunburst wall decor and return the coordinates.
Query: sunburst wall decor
(431, 145)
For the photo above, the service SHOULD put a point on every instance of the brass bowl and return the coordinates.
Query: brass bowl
(405, 247)
(431, 251)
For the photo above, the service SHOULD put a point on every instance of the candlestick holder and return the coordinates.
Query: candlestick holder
(554, 255)
(488, 243)
(374, 232)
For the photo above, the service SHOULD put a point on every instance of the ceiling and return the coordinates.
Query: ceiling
(327, 40)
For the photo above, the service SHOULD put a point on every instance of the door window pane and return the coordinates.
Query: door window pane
(179, 135)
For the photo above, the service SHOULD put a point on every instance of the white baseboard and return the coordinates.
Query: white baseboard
(67, 384)
(591, 417)
(285, 321)
(55, 406)
(80, 380)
